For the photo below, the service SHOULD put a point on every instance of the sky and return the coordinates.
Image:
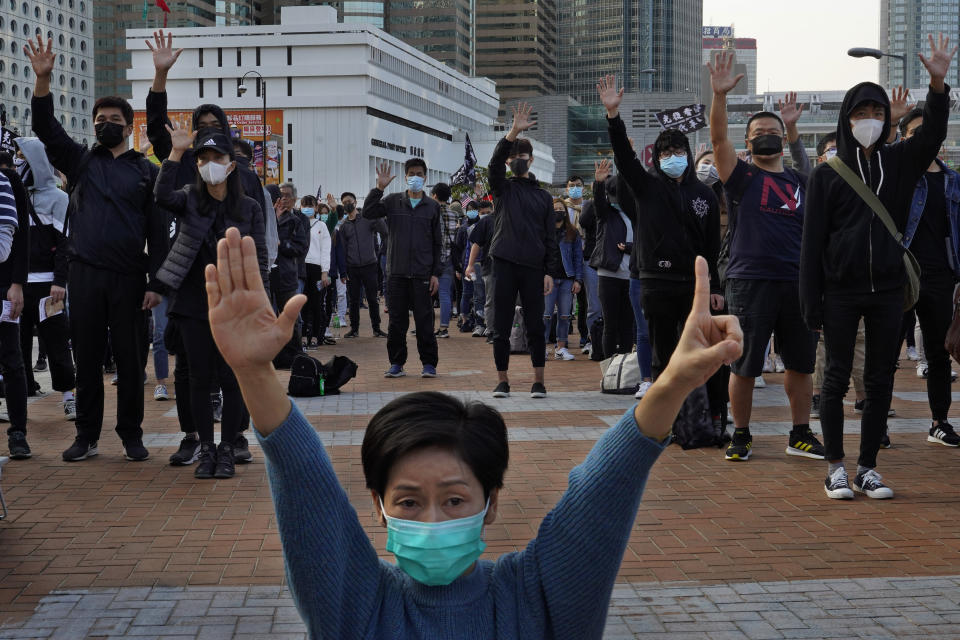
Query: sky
(802, 45)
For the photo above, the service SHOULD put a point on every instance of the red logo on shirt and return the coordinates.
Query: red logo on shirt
(781, 200)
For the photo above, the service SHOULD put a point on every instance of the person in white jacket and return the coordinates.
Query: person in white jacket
(318, 268)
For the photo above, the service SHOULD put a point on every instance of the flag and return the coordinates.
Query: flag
(466, 199)
(145, 6)
(467, 174)
(163, 7)
(686, 119)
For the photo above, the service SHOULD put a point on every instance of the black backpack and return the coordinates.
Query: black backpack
(694, 427)
(310, 378)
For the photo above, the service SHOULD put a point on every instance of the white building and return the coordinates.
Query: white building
(69, 23)
(341, 98)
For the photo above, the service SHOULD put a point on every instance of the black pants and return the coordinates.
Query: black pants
(54, 333)
(363, 280)
(293, 346)
(102, 299)
(882, 315)
(934, 311)
(14, 380)
(527, 282)
(204, 360)
(666, 306)
(404, 294)
(312, 312)
(618, 331)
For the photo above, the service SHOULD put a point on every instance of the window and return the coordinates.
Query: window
(13, 90)
(219, 87)
(289, 55)
(200, 55)
(289, 132)
(239, 57)
(15, 111)
(73, 122)
(200, 90)
(239, 82)
(258, 56)
(289, 159)
(219, 57)
(289, 86)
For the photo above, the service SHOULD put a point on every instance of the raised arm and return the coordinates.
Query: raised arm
(497, 170)
(922, 148)
(628, 164)
(722, 81)
(899, 106)
(165, 189)
(373, 206)
(790, 112)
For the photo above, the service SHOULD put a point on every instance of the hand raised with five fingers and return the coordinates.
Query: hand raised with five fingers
(521, 118)
(164, 55)
(243, 323)
(180, 137)
(899, 104)
(610, 97)
(722, 78)
(939, 61)
(601, 170)
(790, 110)
(332, 203)
(384, 176)
(41, 57)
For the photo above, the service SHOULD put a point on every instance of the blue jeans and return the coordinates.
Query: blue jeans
(591, 280)
(161, 359)
(561, 299)
(466, 298)
(644, 353)
(446, 294)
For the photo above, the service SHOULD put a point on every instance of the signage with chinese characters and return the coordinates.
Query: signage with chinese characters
(416, 152)
(685, 119)
(717, 32)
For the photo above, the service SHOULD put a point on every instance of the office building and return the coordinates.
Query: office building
(69, 23)
(717, 39)
(904, 26)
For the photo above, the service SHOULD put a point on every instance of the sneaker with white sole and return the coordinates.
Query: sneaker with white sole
(837, 486)
(586, 349)
(871, 483)
(922, 370)
(943, 433)
(912, 354)
(804, 444)
(759, 383)
(778, 365)
(160, 392)
(563, 354)
(70, 409)
(642, 389)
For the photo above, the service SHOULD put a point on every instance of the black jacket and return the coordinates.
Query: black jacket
(459, 246)
(358, 237)
(846, 249)
(14, 269)
(195, 222)
(415, 238)
(112, 212)
(610, 230)
(676, 221)
(588, 226)
(294, 244)
(525, 229)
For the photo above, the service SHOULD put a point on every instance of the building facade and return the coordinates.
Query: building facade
(69, 24)
(744, 50)
(904, 26)
(375, 99)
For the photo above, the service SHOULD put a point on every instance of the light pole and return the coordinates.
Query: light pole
(649, 72)
(866, 52)
(263, 90)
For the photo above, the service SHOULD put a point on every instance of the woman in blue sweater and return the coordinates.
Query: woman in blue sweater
(434, 498)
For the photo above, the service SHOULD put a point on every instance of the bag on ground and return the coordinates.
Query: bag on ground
(307, 377)
(694, 425)
(518, 334)
(340, 371)
(621, 374)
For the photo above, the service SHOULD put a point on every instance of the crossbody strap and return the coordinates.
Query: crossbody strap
(868, 196)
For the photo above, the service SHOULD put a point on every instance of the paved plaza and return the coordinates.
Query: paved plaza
(107, 548)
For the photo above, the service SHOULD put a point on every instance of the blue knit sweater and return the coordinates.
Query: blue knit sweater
(558, 587)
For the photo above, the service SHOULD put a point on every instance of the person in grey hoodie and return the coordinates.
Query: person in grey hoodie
(47, 272)
(358, 235)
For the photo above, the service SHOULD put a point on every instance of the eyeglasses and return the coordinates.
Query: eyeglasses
(679, 153)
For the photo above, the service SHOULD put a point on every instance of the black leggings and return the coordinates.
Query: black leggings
(312, 313)
(204, 360)
(511, 280)
(618, 333)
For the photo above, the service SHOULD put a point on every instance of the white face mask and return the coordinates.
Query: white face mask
(829, 153)
(867, 131)
(214, 172)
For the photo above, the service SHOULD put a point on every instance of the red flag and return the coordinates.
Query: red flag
(163, 7)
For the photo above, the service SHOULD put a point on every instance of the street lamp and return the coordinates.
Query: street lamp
(649, 72)
(263, 90)
(866, 52)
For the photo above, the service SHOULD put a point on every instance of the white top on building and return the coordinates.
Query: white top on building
(351, 96)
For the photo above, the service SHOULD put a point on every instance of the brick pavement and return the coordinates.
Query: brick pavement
(109, 531)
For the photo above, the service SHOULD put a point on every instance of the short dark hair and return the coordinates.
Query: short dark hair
(473, 204)
(442, 191)
(107, 102)
(824, 141)
(905, 121)
(473, 431)
(6, 160)
(348, 193)
(243, 147)
(671, 139)
(274, 192)
(414, 162)
(521, 145)
(305, 199)
(486, 204)
(575, 179)
(763, 114)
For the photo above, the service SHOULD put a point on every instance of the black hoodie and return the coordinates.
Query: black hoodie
(676, 221)
(846, 249)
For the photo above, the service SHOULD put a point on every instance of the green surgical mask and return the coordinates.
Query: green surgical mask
(436, 553)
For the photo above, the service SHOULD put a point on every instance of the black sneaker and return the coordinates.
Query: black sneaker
(815, 406)
(330, 342)
(378, 334)
(478, 331)
(885, 441)
(805, 444)
(241, 450)
(837, 486)
(740, 445)
(351, 334)
(80, 450)
(944, 434)
(443, 333)
(188, 452)
(41, 364)
(859, 404)
(537, 390)
(135, 451)
(207, 462)
(871, 483)
(224, 468)
(17, 443)
(33, 390)
(502, 390)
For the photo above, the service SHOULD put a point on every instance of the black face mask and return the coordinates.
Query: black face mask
(349, 207)
(767, 145)
(109, 134)
(561, 215)
(519, 166)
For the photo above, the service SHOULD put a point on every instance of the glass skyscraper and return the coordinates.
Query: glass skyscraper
(904, 26)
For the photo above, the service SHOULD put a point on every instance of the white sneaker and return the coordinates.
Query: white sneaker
(160, 393)
(642, 389)
(586, 349)
(837, 486)
(768, 365)
(778, 365)
(922, 370)
(563, 354)
(759, 383)
(912, 354)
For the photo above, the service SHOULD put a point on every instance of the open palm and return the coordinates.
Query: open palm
(722, 77)
(610, 96)
(940, 56)
(41, 57)
(243, 323)
(164, 55)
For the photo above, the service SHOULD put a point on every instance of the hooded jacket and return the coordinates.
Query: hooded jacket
(13, 270)
(610, 230)
(415, 236)
(50, 204)
(676, 221)
(846, 249)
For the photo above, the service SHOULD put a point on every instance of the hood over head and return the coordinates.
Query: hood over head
(672, 138)
(36, 155)
(847, 145)
(215, 110)
(49, 202)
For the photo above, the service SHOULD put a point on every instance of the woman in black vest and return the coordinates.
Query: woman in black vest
(204, 211)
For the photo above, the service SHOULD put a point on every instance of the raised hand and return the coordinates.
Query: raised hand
(181, 138)
(164, 56)
(384, 176)
(41, 57)
(521, 118)
(331, 202)
(601, 170)
(243, 323)
(722, 78)
(939, 61)
(899, 104)
(790, 111)
(610, 97)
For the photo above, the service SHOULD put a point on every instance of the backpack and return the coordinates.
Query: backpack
(340, 371)
(518, 335)
(596, 341)
(310, 378)
(694, 425)
(621, 374)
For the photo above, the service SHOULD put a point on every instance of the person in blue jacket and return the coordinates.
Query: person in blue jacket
(567, 280)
